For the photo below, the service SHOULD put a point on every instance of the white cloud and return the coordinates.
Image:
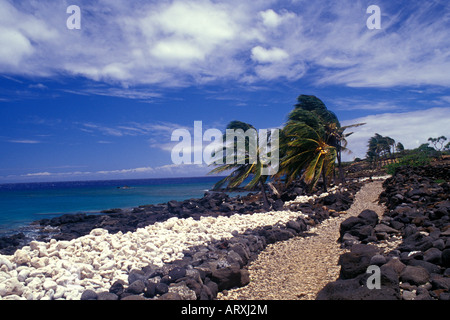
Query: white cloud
(270, 18)
(20, 34)
(177, 43)
(177, 50)
(263, 55)
(126, 171)
(410, 128)
(14, 46)
(38, 174)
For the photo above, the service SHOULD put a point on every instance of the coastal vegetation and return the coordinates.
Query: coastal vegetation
(420, 156)
(311, 144)
(379, 148)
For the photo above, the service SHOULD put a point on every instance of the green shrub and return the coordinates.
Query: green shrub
(412, 160)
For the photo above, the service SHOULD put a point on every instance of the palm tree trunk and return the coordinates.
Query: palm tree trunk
(266, 205)
(341, 170)
(324, 177)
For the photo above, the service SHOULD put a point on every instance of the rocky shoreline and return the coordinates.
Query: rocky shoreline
(214, 247)
(213, 204)
(197, 248)
(417, 223)
(71, 226)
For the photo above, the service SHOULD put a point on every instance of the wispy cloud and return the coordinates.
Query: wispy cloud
(24, 141)
(171, 170)
(126, 93)
(37, 174)
(38, 86)
(351, 104)
(157, 129)
(178, 43)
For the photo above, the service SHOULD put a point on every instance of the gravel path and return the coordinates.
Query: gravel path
(297, 269)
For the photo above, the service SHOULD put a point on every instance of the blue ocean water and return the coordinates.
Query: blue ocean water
(21, 204)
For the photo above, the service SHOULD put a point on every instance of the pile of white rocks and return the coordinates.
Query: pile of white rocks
(375, 178)
(333, 190)
(65, 269)
(306, 198)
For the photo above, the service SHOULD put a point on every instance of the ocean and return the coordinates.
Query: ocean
(23, 203)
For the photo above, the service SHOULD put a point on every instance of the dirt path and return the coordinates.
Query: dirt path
(297, 269)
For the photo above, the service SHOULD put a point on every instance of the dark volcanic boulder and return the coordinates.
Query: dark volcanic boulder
(278, 205)
(361, 227)
(230, 277)
(349, 224)
(137, 287)
(8, 245)
(415, 275)
(89, 295)
(117, 287)
(369, 217)
(356, 289)
(177, 273)
(357, 261)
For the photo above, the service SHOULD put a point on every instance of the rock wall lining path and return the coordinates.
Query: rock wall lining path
(297, 269)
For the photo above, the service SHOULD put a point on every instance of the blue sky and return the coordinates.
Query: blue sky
(101, 102)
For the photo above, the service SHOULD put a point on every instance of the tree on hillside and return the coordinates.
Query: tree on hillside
(438, 143)
(447, 146)
(379, 147)
(391, 144)
(399, 147)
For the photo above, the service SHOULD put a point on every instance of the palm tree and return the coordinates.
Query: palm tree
(248, 166)
(379, 146)
(307, 154)
(313, 112)
(340, 142)
(399, 147)
(390, 143)
(374, 149)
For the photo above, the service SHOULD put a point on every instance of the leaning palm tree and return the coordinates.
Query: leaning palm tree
(378, 147)
(339, 140)
(313, 112)
(308, 156)
(248, 165)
